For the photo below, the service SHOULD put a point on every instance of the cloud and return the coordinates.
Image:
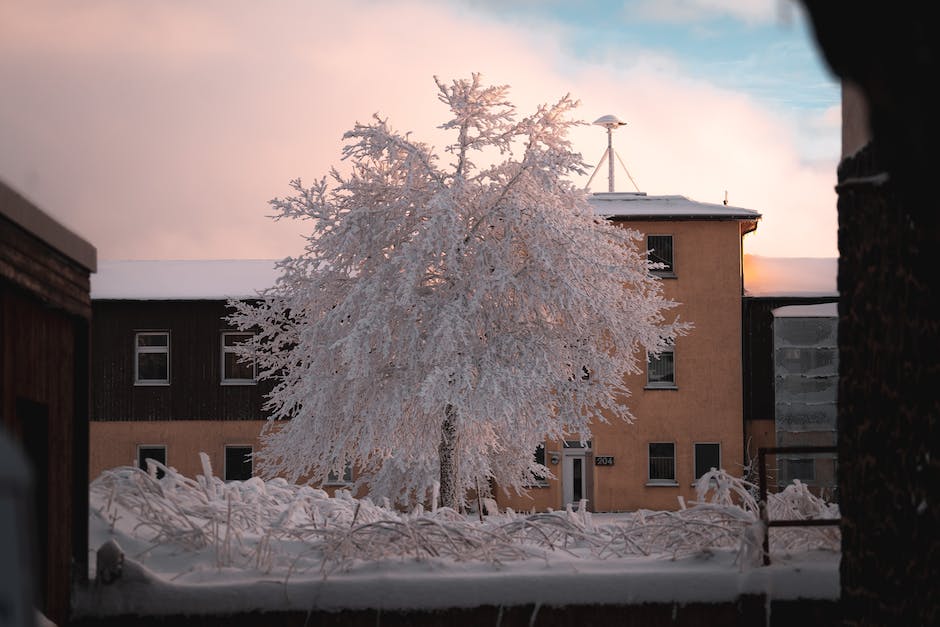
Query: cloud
(161, 130)
(748, 11)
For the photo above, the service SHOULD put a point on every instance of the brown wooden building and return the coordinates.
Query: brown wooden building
(168, 385)
(45, 309)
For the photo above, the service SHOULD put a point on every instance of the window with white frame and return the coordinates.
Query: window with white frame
(152, 358)
(156, 452)
(660, 251)
(234, 370)
(661, 369)
(662, 463)
(707, 456)
(238, 462)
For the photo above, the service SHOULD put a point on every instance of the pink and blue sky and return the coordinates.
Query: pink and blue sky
(159, 130)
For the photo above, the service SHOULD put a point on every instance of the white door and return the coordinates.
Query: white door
(574, 472)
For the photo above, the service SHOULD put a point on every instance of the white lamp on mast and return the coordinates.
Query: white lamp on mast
(610, 122)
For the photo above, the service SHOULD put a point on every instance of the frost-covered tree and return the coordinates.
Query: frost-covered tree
(445, 319)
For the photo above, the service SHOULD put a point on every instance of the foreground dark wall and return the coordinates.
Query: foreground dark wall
(889, 315)
(44, 334)
(747, 611)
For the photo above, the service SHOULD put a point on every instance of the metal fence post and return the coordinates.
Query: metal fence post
(762, 474)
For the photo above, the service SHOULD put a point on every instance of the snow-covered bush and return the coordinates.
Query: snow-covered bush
(275, 526)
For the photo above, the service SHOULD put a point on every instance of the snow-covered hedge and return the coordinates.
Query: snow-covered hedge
(274, 526)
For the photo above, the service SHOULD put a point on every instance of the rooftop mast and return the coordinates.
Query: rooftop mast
(610, 122)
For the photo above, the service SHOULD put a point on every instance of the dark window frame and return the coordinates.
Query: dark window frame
(651, 459)
(809, 462)
(141, 461)
(662, 252)
(695, 458)
(233, 474)
(332, 479)
(662, 384)
(540, 457)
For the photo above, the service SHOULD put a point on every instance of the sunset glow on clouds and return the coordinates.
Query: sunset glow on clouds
(161, 130)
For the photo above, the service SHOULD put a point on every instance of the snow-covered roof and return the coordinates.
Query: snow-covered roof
(218, 279)
(640, 206)
(790, 276)
(212, 279)
(822, 310)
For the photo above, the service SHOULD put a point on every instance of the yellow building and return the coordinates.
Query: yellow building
(688, 404)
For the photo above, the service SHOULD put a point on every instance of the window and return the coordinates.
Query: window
(540, 454)
(803, 468)
(234, 371)
(661, 370)
(156, 452)
(539, 458)
(152, 358)
(238, 463)
(707, 456)
(662, 463)
(659, 249)
(334, 479)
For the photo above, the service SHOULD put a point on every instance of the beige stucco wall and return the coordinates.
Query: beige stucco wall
(115, 443)
(706, 407)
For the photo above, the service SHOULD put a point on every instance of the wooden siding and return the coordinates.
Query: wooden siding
(27, 262)
(43, 379)
(195, 391)
(44, 328)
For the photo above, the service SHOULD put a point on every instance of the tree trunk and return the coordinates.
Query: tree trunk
(448, 459)
(888, 345)
(889, 338)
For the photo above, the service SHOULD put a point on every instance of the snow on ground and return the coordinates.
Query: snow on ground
(207, 546)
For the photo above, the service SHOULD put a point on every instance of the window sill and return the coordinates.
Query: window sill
(662, 484)
(337, 484)
(236, 382)
(664, 275)
(660, 387)
(151, 384)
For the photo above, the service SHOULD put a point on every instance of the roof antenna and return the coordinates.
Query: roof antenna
(726, 198)
(610, 122)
